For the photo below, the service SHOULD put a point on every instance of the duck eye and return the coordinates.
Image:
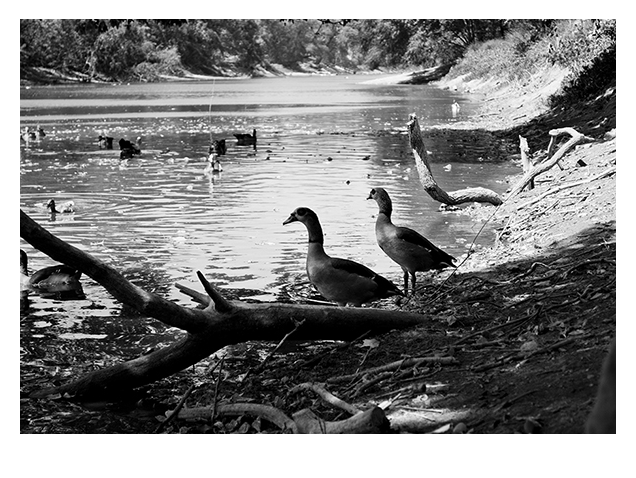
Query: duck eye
(301, 211)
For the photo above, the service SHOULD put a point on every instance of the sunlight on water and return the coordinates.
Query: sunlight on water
(323, 143)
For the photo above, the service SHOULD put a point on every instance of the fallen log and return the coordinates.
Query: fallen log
(221, 323)
(453, 198)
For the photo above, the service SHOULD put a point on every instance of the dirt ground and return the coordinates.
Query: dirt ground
(516, 336)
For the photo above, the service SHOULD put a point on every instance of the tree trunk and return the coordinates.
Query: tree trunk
(428, 181)
(221, 323)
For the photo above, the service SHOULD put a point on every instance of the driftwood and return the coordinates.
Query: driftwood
(428, 181)
(304, 421)
(551, 160)
(221, 323)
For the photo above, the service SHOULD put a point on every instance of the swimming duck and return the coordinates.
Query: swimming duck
(246, 139)
(57, 281)
(339, 280)
(128, 148)
(412, 251)
(27, 135)
(455, 108)
(105, 142)
(40, 132)
(218, 147)
(67, 207)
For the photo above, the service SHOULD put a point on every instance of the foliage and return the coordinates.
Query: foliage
(145, 49)
(530, 46)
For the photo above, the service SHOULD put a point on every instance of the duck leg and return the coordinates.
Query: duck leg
(406, 281)
(413, 283)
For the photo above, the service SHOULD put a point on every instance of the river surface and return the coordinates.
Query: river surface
(323, 143)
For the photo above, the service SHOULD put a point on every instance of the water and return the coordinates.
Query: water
(323, 143)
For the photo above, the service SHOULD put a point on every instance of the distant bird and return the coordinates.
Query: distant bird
(448, 167)
(455, 108)
(57, 281)
(218, 147)
(214, 165)
(40, 132)
(246, 139)
(26, 135)
(105, 142)
(128, 148)
(339, 280)
(67, 207)
(412, 251)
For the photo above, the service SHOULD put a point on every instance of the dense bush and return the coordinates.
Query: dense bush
(530, 47)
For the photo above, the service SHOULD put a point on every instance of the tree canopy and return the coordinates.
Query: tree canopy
(144, 49)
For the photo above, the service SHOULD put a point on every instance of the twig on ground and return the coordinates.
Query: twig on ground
(318, 358)
(327, 396)
(408, 362)
(606, 173)
(216, 389)
(262, 365)
(176, 410)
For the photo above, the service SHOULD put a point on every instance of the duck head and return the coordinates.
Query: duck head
(301, 214)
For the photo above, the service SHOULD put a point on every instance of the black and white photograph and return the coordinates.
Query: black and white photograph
(267, 226)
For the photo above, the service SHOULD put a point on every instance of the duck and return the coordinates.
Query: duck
(346, 282)
(105, 142)
(128, 148)
(218, 147)
(67, 207)
(455, 108)
(57, 281)
(40, 132)
(214, 165)
(412, 251)
(246, 139)
(27, 135)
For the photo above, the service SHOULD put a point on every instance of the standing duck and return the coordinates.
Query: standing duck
(67, 207)
(412, 251)
(339, 280)
(214, 165)
(58, 281)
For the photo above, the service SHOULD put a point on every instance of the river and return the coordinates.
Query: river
(323, 143)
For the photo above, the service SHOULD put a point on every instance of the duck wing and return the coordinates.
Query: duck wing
(385, 286)
(414, 237)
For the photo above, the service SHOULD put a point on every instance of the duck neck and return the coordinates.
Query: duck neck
(315, 233)
(386, 208)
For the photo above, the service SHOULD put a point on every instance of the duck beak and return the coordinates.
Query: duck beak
(370, 196)
(291, 218)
